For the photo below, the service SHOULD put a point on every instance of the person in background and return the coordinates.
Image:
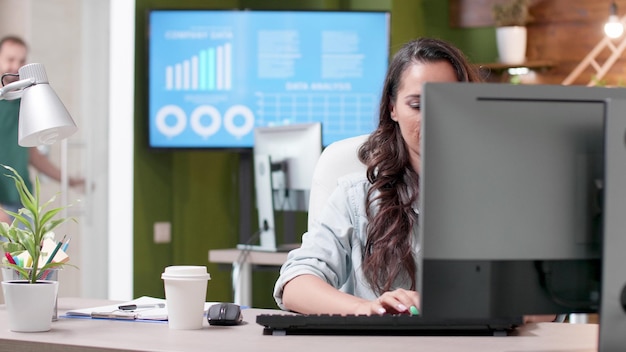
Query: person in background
(13, 52)
(361, 255)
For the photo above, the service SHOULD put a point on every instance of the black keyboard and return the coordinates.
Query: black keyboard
(323, 324)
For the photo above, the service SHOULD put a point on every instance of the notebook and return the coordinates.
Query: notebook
(325, 324)
(156, 312)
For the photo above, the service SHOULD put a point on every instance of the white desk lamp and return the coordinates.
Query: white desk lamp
(43, 119)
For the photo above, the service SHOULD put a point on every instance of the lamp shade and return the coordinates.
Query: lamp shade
(43, 117)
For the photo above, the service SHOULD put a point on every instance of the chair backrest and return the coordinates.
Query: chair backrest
(337, 159)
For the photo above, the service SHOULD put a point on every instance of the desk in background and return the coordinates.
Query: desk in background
(242, 268)
(95, 335)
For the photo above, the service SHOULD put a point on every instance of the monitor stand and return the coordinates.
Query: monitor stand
(265, 205)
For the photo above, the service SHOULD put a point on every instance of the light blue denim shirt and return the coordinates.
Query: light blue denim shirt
(332, 248)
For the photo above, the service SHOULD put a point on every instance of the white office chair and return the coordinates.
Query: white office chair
(338, 159)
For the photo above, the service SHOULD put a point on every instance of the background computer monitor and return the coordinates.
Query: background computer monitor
(512, 199)
(284, 160)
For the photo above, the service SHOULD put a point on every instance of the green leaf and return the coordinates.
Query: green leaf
(53, 224)
(49, 215)
(12, 247)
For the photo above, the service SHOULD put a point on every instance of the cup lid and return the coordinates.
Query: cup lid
(185, 272)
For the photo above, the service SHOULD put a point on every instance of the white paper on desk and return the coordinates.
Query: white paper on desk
(141, 314)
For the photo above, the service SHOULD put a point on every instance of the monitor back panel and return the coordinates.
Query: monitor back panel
(511, 198)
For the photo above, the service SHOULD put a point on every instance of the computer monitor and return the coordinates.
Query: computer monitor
(284, 160)
(514, 201)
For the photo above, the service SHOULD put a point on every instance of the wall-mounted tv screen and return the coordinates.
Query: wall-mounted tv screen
(216, 75)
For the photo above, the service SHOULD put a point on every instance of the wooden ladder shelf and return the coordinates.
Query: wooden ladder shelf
(590, 60)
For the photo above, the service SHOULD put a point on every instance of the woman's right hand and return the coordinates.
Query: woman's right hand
(309, 294)
(398, 301)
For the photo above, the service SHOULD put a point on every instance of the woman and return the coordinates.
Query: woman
(361, 256)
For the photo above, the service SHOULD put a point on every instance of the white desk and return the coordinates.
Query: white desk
(79, 335)
(242, 268)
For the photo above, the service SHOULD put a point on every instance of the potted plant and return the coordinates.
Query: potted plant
(510, 20)
(31, 301)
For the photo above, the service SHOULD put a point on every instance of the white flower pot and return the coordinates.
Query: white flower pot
(9, 274)
(511, 43)
(30, 306)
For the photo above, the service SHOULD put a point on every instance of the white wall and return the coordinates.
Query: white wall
(121, 122)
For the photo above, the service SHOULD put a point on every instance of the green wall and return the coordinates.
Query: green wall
(479, 44)
(198, 191)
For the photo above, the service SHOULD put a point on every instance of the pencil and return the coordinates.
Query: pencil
(9, 258)
(66, 244)
(54, 252)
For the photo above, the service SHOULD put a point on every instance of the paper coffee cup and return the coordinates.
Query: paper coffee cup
(185, 294)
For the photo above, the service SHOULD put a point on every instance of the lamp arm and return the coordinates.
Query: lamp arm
(14, 90)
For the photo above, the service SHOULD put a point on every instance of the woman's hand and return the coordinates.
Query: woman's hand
(392, 302)
(539, 318)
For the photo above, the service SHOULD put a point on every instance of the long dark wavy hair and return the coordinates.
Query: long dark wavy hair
(388, 253)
